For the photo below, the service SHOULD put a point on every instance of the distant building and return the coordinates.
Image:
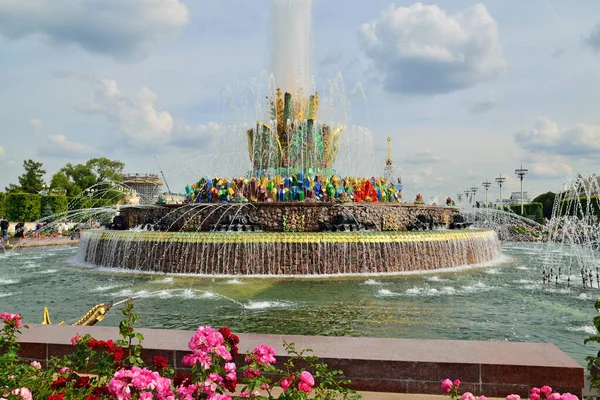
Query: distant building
(147, 187)
(515, 197)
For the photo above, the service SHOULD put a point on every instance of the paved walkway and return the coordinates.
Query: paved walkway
(43, 241)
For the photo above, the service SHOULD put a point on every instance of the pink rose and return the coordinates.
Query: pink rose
(467, 396)
(75, 339)
(568, 396)
(306, 382)
(535, 390)
(534, 396)
(446, 385)
(554, 396)
(245, 394)
(285, 384)
(482, 398)
(546, 390)
(513, 397)
(457, 382)
(36, 365)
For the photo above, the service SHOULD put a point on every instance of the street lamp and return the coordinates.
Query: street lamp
(500, 181)
(521, 172)
(486, 185)
(468, 195)
(459, 195)
(473, 191)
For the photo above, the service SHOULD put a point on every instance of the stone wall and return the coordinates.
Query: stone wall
(372, 364)
(202, 217)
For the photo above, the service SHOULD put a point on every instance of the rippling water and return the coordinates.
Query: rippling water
(505, 301)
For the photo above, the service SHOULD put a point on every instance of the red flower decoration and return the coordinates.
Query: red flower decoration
(118, 354)
(159, 362)
(59, 383)
(110, 346)
(59, 396)
(82, 381)
(92, 343)
(91, 398)
(101, 391)
(181, 380)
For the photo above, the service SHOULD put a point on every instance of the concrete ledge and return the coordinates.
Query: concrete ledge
(373, 364)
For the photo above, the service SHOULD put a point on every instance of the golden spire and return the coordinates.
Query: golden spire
(389, 159)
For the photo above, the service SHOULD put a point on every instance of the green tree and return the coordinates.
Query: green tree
(72, 180)
(547, 200)
(31, 181)
(96, 179)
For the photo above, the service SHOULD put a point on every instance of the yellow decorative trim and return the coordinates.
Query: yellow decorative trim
(290, 237)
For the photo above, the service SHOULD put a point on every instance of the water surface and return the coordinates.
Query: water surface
(503, 302)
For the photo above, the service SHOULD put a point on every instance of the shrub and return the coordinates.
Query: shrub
(54, 205)
(535, 210)
(23, 206)
(116, 370)
(2, 204)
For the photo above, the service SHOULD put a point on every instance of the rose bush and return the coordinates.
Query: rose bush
(98, 369)
(451, 389)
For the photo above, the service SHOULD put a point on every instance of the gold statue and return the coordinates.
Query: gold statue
(96, 314)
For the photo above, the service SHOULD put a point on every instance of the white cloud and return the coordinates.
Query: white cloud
(139, 122)
(547, 137)
(484, 104)
(424, 156)
(122, 29)
(186, 135)
(59, 146)
(36, 125)
(421, 49)
(2, 152)
(593, 40)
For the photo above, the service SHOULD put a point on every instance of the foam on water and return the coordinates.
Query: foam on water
(163, 281)
(493, 271)
(590, 330)
(8, 281)
(476, 288)
(372, 282)
(6, 294)
(105, 288)
(261, 305)
(387, 293)
(49, 271)
(586, 296)
(436, 279)
(234, 281)
(523, 268)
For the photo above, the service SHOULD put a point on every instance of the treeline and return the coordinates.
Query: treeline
(73, 187)
(29, 207)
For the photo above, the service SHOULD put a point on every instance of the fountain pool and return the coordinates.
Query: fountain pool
(505, 300)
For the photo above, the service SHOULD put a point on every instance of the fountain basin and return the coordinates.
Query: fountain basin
(287, 253)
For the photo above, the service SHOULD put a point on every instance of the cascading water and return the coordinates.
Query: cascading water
(571, 256)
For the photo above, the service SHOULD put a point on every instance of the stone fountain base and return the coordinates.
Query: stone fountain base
(287, 253)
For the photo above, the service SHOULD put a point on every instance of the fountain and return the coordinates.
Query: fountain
(290, 212)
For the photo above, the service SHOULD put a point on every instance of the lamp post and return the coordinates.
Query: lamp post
(468, 195)
(486, 185)
(459, 195)
(500, 181)
(521, 172)
(473, 190)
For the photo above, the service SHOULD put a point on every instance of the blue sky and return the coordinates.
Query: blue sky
(467, 90)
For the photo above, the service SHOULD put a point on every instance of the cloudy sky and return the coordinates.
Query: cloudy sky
(467, 90)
